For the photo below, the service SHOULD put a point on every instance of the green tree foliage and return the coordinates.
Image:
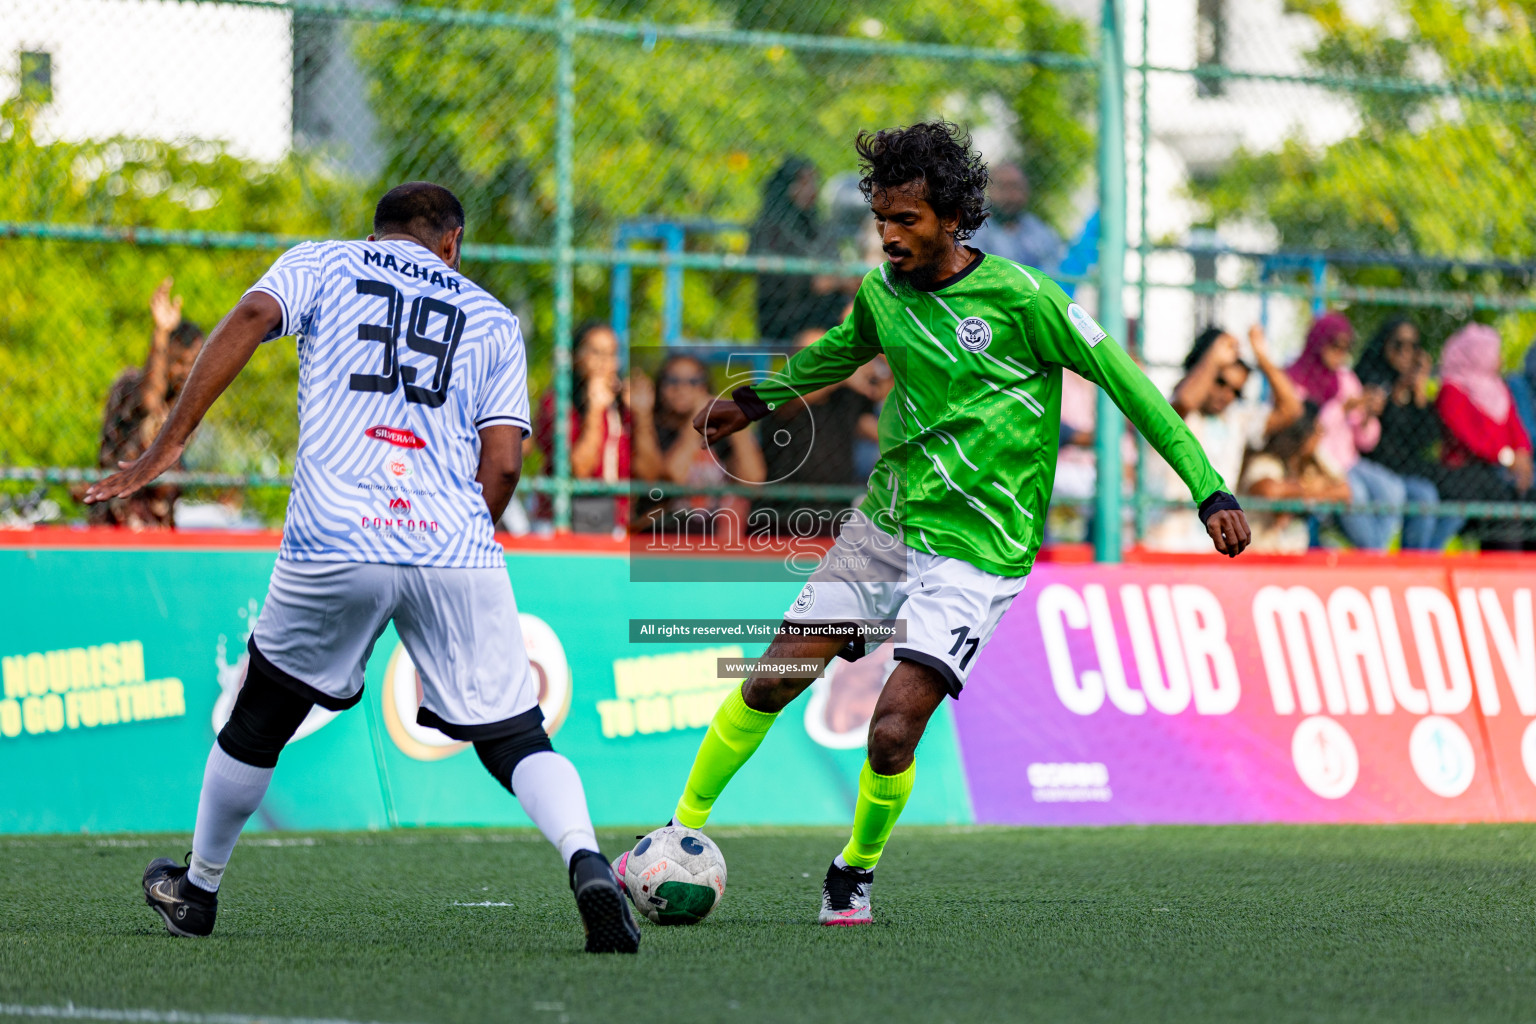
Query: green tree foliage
(1443, 176)
(73, 315)
(690, 129)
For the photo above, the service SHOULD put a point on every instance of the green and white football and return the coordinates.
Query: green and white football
(675, 875)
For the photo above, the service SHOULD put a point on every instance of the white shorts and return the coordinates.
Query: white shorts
(949, 607)
(460, 626)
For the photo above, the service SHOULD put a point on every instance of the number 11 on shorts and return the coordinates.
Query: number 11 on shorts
(960, 634)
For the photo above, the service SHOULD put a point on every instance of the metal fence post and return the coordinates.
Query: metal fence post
(1143, 250)
(1106, 521)
(565, 155)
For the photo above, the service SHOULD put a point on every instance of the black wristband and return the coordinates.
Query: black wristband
(747, 401)
(1220, 501)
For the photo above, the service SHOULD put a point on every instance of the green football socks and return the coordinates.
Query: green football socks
(881, 799)
(734, 736)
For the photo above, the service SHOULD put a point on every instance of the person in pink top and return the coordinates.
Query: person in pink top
(1349, 424)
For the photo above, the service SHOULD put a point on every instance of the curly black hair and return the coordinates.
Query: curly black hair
(936, 153)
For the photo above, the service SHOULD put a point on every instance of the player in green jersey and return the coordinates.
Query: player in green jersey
(956, 505)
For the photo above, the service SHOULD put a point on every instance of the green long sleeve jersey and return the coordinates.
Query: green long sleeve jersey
(970, 432)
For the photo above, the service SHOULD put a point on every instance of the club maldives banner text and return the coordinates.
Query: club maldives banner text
(1198, 692)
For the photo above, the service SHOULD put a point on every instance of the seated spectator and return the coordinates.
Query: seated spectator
(1487, 452)
(682, 389)
(1011, 231)
(788, 225)
(1210, 398)
(813, 441)
(1395, 362)
(1288, 469)
(599, 430)
(137, 406)
(1522, 388)
(1349, 417)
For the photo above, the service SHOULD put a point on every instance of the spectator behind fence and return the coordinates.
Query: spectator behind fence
(813, 440)
(137, 405)
(788, 225)
(682, 389)
(1210, 398)
(1287, 469)
(1522, 388)
(1014, 233)
(1395, 362)
(874, 380)
(1348, 416)
(1487, 452)
(599, 429)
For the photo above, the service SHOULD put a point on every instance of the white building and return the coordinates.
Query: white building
(257, 79)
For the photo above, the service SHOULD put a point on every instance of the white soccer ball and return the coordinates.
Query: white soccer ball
(675, 875)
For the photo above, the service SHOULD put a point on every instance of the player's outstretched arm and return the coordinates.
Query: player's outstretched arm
(224, 355)
(1067, 335)
(501, 466)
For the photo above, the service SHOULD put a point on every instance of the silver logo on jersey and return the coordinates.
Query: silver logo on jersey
(806, 599)
(974, 334)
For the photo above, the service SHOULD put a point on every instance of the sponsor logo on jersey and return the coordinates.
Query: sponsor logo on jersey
(392, 524)
(398, 467)
(396, 436)
(1092, 333)
(973, 334)
(806, 599)
(399, 504)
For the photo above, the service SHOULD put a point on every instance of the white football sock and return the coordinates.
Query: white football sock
(550, 791)
(232, 790)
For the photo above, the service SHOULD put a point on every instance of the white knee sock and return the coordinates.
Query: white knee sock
(550, 791)
(232, 790)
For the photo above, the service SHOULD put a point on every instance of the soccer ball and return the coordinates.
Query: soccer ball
(675, 875)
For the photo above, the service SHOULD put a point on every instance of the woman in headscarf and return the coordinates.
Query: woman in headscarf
(1487, 452)
(788, 225)
(1395, 362)
(1349, 425)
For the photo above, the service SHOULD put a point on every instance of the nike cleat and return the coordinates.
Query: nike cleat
(186, 909)
(845, 896)
(604, 909)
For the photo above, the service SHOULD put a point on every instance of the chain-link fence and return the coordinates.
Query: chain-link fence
(654, 187)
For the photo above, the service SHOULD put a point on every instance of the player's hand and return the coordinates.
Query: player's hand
(720, 419)
(165, 310)
(1229, 531)
(134, 475)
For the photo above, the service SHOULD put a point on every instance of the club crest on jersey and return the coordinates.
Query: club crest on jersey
(974, 334)
(397, 466)
(806, 599)
(1092, 333)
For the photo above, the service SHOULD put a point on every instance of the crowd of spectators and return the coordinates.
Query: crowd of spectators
(1382, 437)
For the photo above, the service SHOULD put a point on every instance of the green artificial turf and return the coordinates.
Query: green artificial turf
(1262, 923)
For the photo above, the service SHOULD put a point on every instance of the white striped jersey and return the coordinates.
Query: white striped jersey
(402, 361)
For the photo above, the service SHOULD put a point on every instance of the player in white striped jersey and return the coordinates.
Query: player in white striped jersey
(413, 405)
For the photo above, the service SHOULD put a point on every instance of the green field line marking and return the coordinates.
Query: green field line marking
(71, 1012)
